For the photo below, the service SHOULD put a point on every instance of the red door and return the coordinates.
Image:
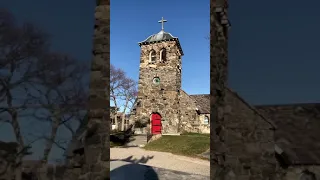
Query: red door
(156, 124)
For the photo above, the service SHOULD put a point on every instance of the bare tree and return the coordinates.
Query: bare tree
(20, 49)
(128, 95)
(60, 92)
(33, 78)
(123, 91)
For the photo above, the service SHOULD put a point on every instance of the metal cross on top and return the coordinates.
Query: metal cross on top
(162, 21)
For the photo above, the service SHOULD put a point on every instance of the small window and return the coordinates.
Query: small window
(156, 80)
(152, 56)
(163, 55)
(206, 120)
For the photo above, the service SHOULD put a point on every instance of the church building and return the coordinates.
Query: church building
(161, 102)
(270, 141)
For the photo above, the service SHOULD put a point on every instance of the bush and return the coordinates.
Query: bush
(140, 124)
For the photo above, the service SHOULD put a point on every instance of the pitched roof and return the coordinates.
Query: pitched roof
(298, 130)
(297, 127)
(203, 102)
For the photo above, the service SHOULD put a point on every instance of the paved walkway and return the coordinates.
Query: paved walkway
(121, 170)
(161, 160)
(138, 140)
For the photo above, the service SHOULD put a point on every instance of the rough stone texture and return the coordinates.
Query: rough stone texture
(162, 98)
(202, 101)
(249, 140)
(48, 172)
(297, 130)
(297, 135)
(248, 129)
(179, 111)
(218, 82)
(8, 151)
(189, 116)
(35, 170)
(204, 128)
(96, 147)
(191, 119)
(295, 172)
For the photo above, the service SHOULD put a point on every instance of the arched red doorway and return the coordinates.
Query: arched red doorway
(156, 125)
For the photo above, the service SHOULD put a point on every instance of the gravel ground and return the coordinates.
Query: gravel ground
(161, 160)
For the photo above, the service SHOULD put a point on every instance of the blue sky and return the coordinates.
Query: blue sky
(273, 46)
(272, 49)
(189, 22)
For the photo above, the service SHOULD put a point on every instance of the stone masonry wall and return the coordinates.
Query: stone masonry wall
(295, 172)
(189, 116)
(204, 128)
(191, 121)
(249, 141)
(164, 97)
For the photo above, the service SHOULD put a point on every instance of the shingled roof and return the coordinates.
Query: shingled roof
(203, 102)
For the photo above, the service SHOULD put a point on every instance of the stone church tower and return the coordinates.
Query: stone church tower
(160, 82)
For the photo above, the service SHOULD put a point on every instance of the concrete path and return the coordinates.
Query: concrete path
(138, 140)
(161, 160)
(120, 170)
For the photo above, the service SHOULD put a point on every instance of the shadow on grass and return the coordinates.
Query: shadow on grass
(143, 159)
(134, 172)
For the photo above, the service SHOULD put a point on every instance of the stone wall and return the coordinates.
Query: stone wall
(249, 140)
(8, 152)
(49, 172)
(204, 128)
(162, 98)
(296, 172)
(297, 131)
(189, 116)
(191, 121)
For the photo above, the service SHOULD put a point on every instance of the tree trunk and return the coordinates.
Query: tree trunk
(51, 139)
(17, 131)
(124, 113)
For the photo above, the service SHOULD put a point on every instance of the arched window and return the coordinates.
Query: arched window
(206, 120)
(152, 56)
(163, 55)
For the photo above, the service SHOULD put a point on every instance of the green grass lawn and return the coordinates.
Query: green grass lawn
(189, 144)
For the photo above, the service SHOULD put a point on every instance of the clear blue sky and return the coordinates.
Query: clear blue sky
(273, 46)
(136, 20)
(274, 51)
